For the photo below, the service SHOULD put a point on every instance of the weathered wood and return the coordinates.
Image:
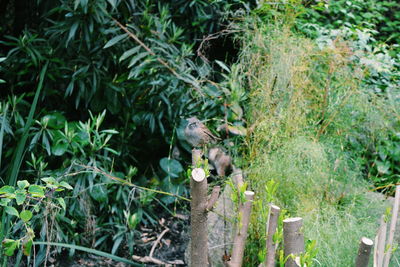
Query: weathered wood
(241, 233)
(293, 240)
(392, 229)
(272, 224)
(380, 241)
(364, 252)
(198, 219)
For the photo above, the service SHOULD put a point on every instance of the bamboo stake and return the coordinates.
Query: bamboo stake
(364, 252)
(271, 229)
(241, 234)
(293, 241)
(392, 229)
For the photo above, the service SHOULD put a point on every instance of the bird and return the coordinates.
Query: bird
(197, 134)
(220, 161)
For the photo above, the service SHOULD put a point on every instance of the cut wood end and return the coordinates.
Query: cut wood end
(367, 241)
(249, 195)
(274, 207)
(198, 174)
(295, 219)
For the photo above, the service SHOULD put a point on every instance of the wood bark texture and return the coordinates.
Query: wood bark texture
(241, 233)
(392, 228)
(198, 219)
(293, 240)
(380, 241)
(272, 224)
(364, 252)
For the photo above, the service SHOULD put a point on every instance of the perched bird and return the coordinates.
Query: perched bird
(197, 134)
(220, 161)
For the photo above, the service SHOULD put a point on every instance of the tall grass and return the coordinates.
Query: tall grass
(304, 105)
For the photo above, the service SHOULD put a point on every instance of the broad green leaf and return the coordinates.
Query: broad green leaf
(4, 201)
(99, 193)
(49, 180)
(20, 197)
(23, 184)
(36, 191)
(61, 202)
(171, 166)
(7, 190)
(10, 246)
(59, 148)
(27, 247)
(115, 40)
(25, 215)
(12, 211)
(55, 120)
(66, 185)
(2, 81)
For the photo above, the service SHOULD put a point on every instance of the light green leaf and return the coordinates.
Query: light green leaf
(66, 185)
(25, 215)
(20, 197)
(115, 40)
(36, 191)
(10, 246)
(7, 189)
(11, 211)
(61, 202)
(23, 184)
(27, 246)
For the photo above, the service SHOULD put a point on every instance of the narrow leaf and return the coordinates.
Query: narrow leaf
(115, 40)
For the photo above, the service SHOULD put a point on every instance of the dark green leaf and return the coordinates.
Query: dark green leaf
(171, 166)
(61, 202)
(99, 193)
(115, 40)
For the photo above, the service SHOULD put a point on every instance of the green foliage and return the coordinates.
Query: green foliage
(307, 102)
(381, 16)
(30, 199)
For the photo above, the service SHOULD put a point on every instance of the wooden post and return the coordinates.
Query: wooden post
(198, 219)
(241, 234)
(363, 252)
(392, 228)
(272, 224)
(293, 241)
(380, 241)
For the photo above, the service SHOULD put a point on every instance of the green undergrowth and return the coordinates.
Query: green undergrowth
(305, 103)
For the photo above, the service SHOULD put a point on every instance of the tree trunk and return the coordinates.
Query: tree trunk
(293, 241)
(271, 229)
(363, 252)
(241, 234)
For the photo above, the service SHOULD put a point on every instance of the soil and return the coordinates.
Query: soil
(171, 246)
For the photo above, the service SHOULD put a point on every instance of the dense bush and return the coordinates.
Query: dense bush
(110, 101)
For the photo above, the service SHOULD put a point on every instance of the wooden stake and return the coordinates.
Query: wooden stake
(198, 219)
(363, 252)
(293, 240)
(271, 229)
(380, 241)
(241, 232)
(392, 229)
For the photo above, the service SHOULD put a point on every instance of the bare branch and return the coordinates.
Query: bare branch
(213, 198)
